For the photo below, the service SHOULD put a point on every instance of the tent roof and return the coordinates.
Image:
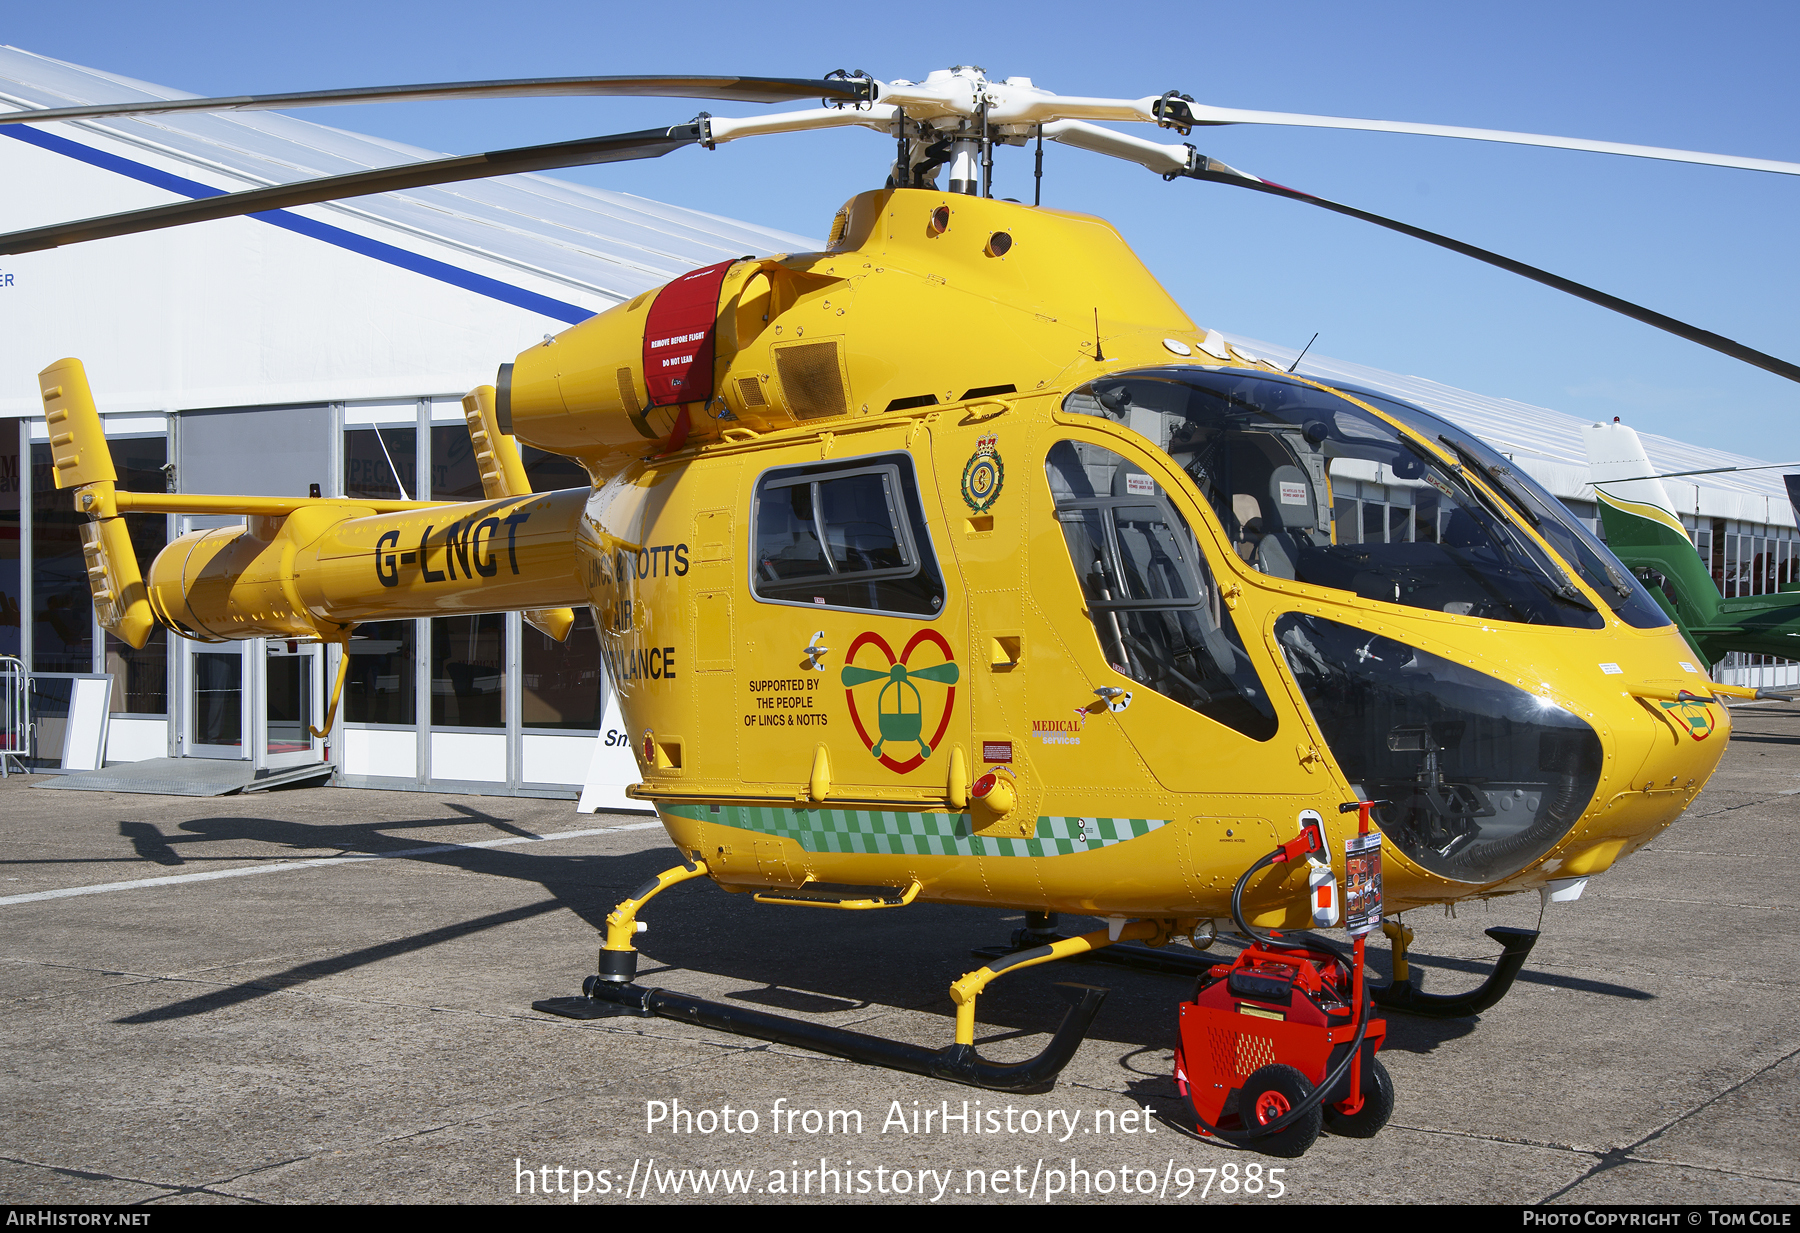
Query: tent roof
(606, 243)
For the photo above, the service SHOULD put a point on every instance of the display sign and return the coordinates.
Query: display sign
(1362, 883)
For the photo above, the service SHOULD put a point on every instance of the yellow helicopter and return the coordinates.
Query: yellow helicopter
(955, 563)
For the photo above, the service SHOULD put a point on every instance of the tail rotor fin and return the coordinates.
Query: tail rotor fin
(77, 438)
(81, 460)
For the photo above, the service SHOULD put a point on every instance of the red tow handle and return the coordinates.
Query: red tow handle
(1354, 1102)
(1362, 812)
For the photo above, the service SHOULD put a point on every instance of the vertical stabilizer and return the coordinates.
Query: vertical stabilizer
(503, 475)
(1642, 527)
(82, 460)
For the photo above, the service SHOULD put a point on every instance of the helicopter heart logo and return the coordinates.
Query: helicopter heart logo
(900, 706)
(1694, 713)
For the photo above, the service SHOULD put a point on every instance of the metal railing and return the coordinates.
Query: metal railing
(15, 715)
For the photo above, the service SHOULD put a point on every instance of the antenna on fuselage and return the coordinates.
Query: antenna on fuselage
(1303, 351)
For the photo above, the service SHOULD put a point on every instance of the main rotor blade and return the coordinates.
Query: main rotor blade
(1218, 173)
(621, 147)
(730, 89)
(1202, 114)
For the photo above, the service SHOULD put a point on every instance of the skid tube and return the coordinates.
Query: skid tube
(614, 990)
(959, 1063)
(1401, 994)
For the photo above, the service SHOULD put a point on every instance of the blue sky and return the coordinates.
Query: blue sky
(1715, 247)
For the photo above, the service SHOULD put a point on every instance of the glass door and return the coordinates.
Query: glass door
(216, 702)
(214, 697)
(290, 704)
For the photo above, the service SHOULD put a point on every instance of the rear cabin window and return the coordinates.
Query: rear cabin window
(845, 535)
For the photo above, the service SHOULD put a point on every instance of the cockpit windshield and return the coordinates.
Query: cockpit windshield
(1573, 542)
(1312, 487)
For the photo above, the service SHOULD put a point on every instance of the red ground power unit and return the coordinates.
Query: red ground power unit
(1263, 1032)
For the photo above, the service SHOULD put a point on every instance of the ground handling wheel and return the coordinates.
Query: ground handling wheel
(1271, 1094)
(1377, 1106)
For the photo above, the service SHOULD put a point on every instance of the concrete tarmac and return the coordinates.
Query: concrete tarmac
(324, 995)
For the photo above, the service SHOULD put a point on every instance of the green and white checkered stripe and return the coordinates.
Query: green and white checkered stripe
(884, 833)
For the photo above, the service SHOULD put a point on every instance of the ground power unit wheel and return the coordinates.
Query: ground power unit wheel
(1377, 1107)
(1269, 1094)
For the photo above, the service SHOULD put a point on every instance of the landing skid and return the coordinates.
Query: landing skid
(1040, 930)
(1401, 995)
(958, 1063)
(614, 990)
(1123, 955)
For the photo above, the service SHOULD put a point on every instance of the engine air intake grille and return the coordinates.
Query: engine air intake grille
(812, 379)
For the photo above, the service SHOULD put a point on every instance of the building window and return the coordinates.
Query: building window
(62, 608)
(381, 464)
(1383, 514)
(454, 475)
(10, 591)
(562, 685)
(218, 698)
(552, 472)
(468, 673)
(141, 677)
(379, 684)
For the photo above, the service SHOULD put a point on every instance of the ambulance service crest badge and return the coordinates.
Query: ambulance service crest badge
(983, 475)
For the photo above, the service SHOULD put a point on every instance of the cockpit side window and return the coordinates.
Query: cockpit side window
(1309, 486)
(845, 535)
(1152, 599)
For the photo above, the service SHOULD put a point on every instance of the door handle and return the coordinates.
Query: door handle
(1116, 699)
